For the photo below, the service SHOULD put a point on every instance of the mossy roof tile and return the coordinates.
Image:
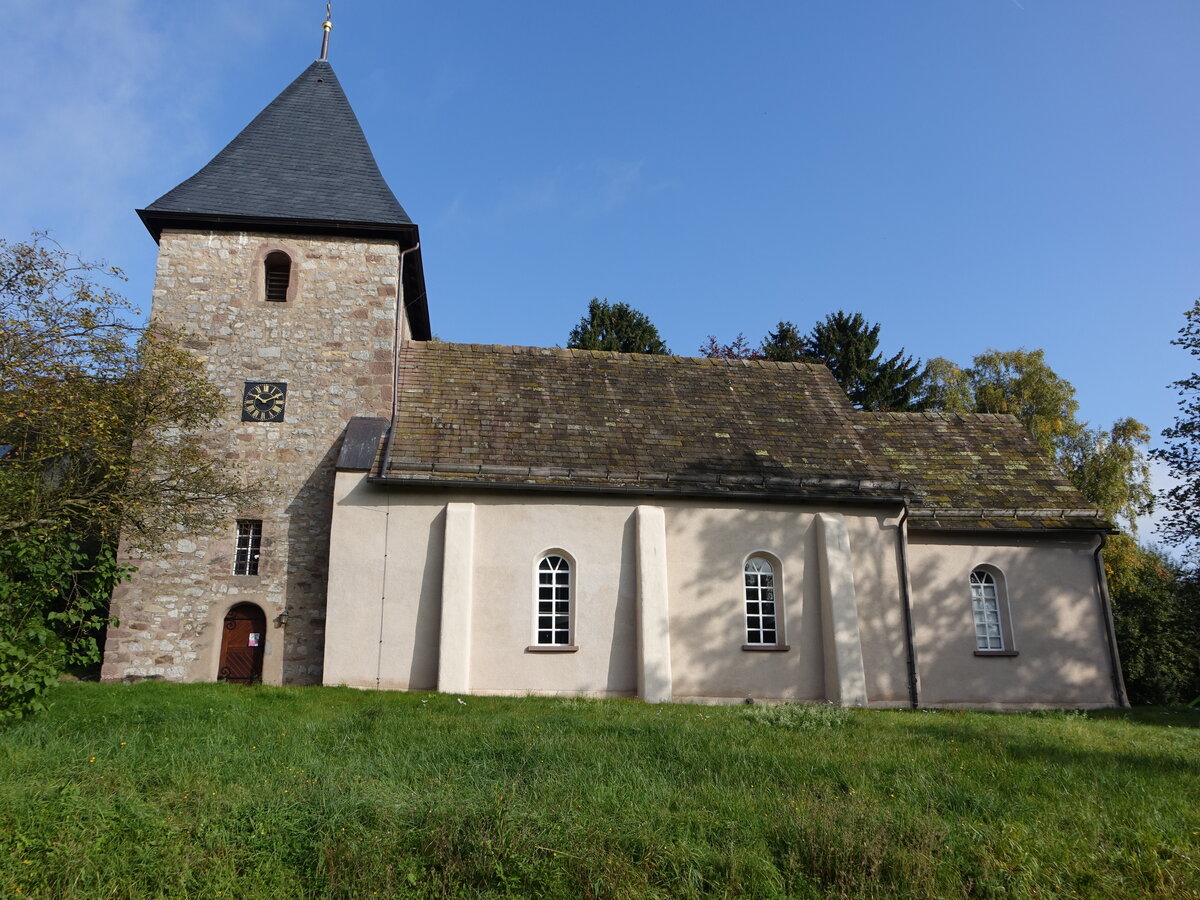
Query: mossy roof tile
(494, 414)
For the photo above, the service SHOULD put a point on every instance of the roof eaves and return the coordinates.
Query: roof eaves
(417, 479)
(1091, 521)
(156, 220)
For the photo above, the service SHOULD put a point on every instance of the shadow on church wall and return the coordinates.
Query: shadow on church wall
(1053, 603)
(707, 606)
(1055, 616)
(309, 514)
(423, 673)
(621, 677)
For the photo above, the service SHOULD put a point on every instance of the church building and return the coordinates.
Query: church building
(482, 519)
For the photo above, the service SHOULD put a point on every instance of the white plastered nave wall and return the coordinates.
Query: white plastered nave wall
(1057, 622)
(398, 595)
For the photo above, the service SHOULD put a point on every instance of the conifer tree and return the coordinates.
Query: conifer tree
(616, 326)
(784, 344)
(849, 345)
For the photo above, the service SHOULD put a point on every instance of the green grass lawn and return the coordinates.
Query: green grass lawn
(157, 790)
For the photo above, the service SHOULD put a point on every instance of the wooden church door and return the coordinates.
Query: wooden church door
(242, 642)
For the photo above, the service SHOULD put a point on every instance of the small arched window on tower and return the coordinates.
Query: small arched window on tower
(277, 276)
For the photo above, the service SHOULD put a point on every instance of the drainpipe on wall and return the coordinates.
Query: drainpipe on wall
(914, 689)
(387, 452)
(1109, 629)
(387, 521)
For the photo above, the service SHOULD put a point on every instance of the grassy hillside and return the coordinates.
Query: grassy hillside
(158, 790)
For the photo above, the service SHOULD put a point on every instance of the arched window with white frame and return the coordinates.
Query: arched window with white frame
(553, 613)
(763, 623)
(990, 612)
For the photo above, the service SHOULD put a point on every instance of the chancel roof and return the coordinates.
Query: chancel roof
(590, 420)
(303, 159)
(975, 470)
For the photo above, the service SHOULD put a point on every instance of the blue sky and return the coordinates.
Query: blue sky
(992, 174)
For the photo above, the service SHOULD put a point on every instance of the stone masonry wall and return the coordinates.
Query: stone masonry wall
(332, 343)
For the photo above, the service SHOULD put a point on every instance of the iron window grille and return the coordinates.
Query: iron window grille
(249, 547)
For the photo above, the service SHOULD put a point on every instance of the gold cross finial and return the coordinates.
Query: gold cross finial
(327, 26)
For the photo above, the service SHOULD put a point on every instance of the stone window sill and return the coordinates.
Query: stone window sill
(552, 648)
(766, 648)
(997, 653)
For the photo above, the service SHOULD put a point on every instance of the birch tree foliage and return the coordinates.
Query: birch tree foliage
(1107, 465)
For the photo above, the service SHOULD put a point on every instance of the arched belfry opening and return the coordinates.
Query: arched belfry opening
(243, 640)
(277, 275)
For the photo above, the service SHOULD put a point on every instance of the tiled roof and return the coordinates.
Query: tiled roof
(304, 157)
(592, 420)
(975, 471)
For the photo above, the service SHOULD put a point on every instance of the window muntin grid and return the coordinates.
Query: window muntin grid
(985, 603)
(761, 620)
(553, 620)
(249, 546)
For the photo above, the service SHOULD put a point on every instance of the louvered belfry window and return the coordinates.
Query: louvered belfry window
(277, 275)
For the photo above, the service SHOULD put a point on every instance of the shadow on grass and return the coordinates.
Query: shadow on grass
(1043, 739)
(1162, 716)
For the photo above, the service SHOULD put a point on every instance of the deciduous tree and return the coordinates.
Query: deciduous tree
(100, 438)
(1181, 453)
(1108, 466)
(947, 387)
(1156, 614)
(1019, 382)
(738, 348)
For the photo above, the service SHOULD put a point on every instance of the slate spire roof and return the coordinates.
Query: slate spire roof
(303, 160)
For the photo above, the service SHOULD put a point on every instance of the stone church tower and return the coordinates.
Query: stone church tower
(294, 273)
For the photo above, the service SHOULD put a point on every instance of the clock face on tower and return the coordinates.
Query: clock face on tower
(263, 401)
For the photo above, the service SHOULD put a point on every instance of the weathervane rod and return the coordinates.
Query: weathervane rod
(327, 26)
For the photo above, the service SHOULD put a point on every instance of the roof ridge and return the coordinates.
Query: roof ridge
(940, 416)
(580, 353)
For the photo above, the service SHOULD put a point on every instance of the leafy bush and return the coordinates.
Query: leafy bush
(1156, 614)
(53, 600)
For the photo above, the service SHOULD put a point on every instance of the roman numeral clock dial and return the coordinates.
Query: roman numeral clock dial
(263, 401)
